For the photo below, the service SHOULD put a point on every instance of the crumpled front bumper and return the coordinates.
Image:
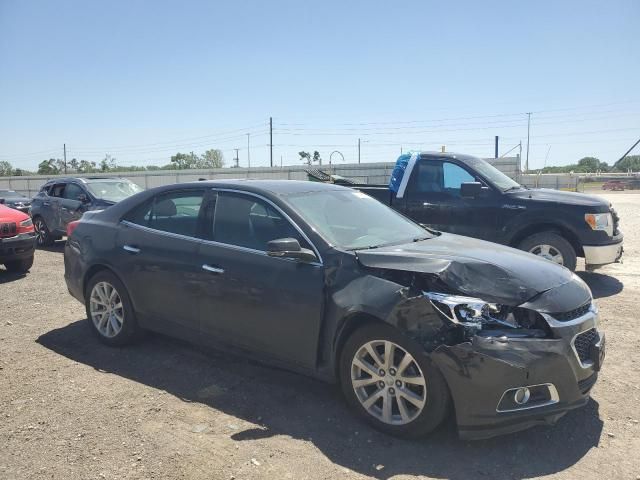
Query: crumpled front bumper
(481, 371)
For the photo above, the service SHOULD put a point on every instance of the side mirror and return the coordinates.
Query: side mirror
(82, 198)
(470, 189)
(290, 248)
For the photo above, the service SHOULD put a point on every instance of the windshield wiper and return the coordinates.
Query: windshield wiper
(419, 239)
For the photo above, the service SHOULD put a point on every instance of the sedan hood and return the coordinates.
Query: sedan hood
(560, 197)
(474, 267)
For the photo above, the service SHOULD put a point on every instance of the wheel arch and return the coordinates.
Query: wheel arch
(350, 324)
(559, 229)
(93, 270)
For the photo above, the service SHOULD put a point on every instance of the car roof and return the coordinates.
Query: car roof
(276, 187)
(85, 179)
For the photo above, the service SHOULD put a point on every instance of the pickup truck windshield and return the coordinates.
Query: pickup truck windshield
(113, 191)
(353, 220)
(492, 174)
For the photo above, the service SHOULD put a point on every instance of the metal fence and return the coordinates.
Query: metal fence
(366, 173)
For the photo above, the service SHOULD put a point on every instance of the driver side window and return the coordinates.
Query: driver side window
(454, 177)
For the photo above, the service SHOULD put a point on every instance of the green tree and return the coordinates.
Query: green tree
(74, 164)
(184, 160)
(632, 162)
(107, 163)
(49, 167)
(211, 159)
(86, 166)
(6, 169)
(591, 164)
(317, 158)
(305, 157)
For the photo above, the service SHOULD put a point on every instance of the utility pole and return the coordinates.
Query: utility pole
(237, 159)
(400, 149)
(358, 150)
(496, 153)
(64, 148)
(526, 163)
(248, 150)
(271, 140)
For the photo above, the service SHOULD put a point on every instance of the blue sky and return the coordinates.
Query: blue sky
(141, 80)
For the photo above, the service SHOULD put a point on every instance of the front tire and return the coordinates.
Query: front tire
(391, 382)
(43, 235)
(551, 246)
(109, 310)
(19, 266)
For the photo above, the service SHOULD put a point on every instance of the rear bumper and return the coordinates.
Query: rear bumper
(599, 255)
(17, 248)
(73, 271)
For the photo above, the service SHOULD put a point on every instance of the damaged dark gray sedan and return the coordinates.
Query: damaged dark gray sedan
(327, 281)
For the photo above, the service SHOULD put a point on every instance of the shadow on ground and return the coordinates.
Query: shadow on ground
(601, 285)
(7, 276)
(283, 403)
(55, 247)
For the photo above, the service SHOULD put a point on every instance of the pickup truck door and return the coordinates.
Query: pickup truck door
(433, 198)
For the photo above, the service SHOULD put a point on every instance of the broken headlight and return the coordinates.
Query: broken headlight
(465, 310)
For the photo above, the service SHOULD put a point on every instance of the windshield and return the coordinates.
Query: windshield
(353, 220)
(492, 174)
(113, 191)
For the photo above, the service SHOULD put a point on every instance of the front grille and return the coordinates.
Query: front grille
(572, 314)
(8, 229)
(583, 343)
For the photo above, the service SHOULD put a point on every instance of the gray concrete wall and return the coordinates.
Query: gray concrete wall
(367, 173)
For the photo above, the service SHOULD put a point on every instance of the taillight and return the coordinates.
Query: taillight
(25, 226)
(71, 226)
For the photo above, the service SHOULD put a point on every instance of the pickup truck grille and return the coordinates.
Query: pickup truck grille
(8, 229)
(572, 314)
(616, 221)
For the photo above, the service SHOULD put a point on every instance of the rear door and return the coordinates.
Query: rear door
(268, 305)
(51, 209)
(157, 251)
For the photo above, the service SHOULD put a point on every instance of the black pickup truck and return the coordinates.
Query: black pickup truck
(466, 195)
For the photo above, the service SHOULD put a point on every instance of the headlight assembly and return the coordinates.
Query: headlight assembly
(600, 221)
(466, 310)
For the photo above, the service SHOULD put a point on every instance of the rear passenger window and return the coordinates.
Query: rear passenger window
(249, 222)
(57, 190)
(175, 212)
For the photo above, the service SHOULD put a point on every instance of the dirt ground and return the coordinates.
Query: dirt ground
(71, 408)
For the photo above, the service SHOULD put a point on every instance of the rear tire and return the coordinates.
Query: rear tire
(43, 235)
(551, 246)
(19, 266)
(109, 310)
(405, 395)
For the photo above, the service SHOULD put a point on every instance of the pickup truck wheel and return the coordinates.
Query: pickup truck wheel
(390, 381)
(551, 246)
(19, 266)
(43, 235)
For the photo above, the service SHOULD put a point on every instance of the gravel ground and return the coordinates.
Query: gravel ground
(71, 408)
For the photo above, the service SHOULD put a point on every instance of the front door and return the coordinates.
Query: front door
(265, 304)
(434, 199)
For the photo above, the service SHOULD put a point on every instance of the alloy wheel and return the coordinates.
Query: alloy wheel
(388, 382)
(106, 309)
(548, 252)
(41, 231)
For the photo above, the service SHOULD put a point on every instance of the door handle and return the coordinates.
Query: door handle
(211, 269)
(131, 249)
(46, 204)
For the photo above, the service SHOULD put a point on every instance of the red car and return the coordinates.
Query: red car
(17, 240)
(613, 185)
